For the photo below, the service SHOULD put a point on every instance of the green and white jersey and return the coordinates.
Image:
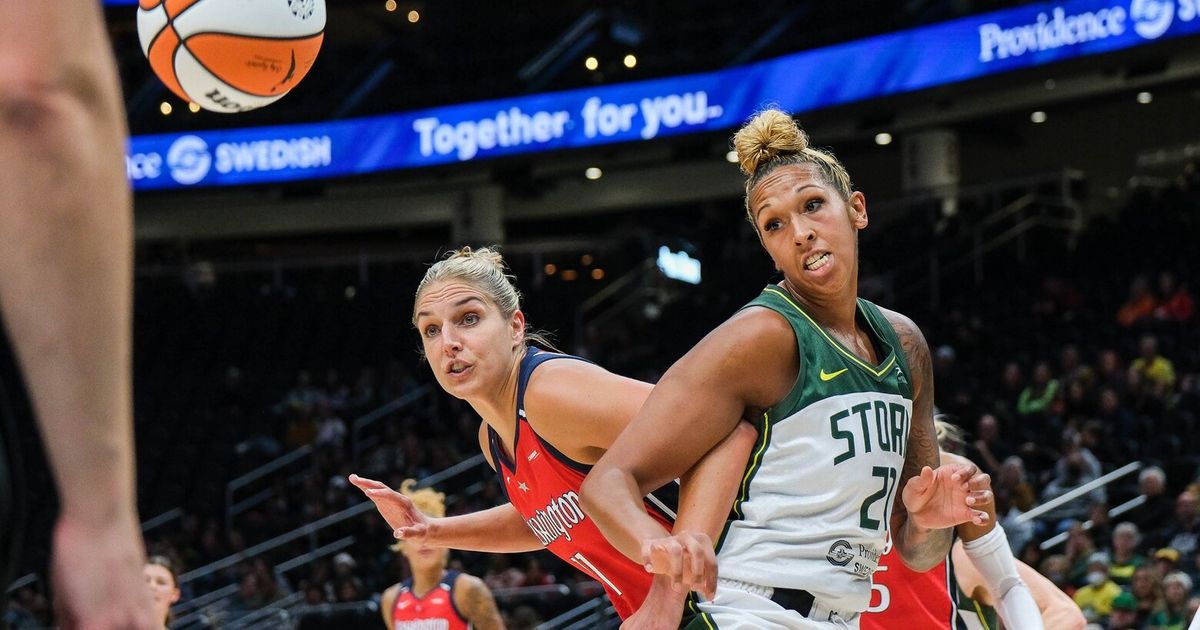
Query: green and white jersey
(816, 497)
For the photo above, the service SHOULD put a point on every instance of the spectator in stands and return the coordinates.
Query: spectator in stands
(1146, 587)
(163, 581)
(1012, 383)
(1140, 305)
(1109, 372)
(301, 398)
(1096, 597)
(1125, 558)
(1039, 397)
(1074, 471)
(1156, 371)
(1177, 304)
(1158, 508)
(988, 449)
(1124, 615)
(1177, 590)
(1057, 569)
(1184, 532)
(1079, 550)
(1166, 561)
(331, 430)
(1116, 418)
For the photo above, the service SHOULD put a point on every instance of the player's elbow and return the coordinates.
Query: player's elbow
(600, 482)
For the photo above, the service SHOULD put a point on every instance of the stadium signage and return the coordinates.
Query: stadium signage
(895, 63)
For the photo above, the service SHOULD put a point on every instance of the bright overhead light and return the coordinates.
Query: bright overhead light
(194, 108)
(593, 172)
(165, 108)
(390, 5)
(591, 63)
(630, 60)
(731, 157)
(1038, 116)
(1145, 98)
(414, 16)
(883, 138)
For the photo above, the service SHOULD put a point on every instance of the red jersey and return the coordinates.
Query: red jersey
(434, 611)
(543, 484)
(903, 598)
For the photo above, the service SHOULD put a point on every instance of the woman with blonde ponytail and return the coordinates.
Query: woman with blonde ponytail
(547, 418)
(841, 393)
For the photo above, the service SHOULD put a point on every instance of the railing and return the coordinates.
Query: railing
(232, 508)
(162, 519)
(1075, 493)
(312, 528)
(597, 613)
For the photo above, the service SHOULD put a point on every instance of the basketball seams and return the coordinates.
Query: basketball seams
(220, 77)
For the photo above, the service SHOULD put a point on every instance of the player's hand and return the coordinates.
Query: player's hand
(97, 576)
(661, 610)
(687, 559)
(948, 496)
(406, 521)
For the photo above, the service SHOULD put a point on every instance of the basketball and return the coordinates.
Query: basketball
(231, 56)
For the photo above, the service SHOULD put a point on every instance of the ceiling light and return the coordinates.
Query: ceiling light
(1144, 98)
(165, 108)
(630, 60)
(390, 5)
(731, 157)
(414, 16)
(593, 172)
(194, 108)
(883, 138)
(1038, 116)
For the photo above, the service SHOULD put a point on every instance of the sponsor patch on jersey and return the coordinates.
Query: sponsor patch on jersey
(840, 554)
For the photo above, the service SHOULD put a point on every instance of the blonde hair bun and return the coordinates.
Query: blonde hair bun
(770, 133)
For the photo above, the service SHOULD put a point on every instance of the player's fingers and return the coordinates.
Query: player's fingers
(965, 472)
(980, 498)
(364, 483)
(979, 518)
(981, 481)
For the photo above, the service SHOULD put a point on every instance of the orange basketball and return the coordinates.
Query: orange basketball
(231, 55)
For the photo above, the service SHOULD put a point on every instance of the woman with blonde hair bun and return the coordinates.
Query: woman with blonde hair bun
(841, 393)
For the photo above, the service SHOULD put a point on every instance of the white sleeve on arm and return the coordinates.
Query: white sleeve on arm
(994, 561)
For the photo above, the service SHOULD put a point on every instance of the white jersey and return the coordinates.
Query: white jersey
(817, 495)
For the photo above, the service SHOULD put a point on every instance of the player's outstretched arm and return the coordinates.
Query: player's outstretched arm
(497, 530)
(65, 292)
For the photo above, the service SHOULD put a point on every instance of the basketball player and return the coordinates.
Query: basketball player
(434, 594)
(164, 586)
(65, 296)
(547, 417)
(841, 392)
(981, 568)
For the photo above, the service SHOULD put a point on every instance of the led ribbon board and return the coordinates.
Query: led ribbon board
(894, 63)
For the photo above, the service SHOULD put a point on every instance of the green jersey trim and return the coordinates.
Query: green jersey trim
(752, 468)
(876, 372)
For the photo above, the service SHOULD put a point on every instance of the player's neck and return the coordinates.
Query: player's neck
(838, 314)
(425, 581)
(499, 408)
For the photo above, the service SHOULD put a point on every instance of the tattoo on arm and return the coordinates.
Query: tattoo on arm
(922, 447)
(478, 605)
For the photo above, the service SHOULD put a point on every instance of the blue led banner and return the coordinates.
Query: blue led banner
(889, 64)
